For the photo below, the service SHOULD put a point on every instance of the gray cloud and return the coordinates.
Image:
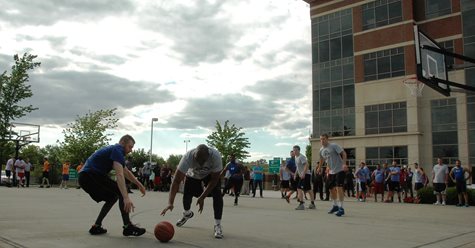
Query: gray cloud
(61, 96)
(26, 12)
(279, 89)
(205, 32)
(241, 110)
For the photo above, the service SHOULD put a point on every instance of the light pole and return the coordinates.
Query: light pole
(151, 139)
(186, 144)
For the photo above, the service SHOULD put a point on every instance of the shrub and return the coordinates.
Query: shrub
(426, 196)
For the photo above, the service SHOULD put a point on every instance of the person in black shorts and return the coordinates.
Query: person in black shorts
(94, 179)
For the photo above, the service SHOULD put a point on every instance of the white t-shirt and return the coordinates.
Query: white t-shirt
(331, 154)
(192, 169)
(300, 162)
(10, 164)
(440, 171)
(19, 166)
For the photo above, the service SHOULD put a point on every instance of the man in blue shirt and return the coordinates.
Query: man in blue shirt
(235, 180)
(258, 177)
(457, 174)
(94, 179)
(394, 182)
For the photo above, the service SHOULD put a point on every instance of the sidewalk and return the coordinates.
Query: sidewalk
(34, 217)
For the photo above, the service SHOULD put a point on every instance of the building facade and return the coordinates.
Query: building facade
(362, 51)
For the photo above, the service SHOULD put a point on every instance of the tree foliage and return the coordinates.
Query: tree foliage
(308, 154)
(229, 140)
(14, 88)
(87, 134)
(174, 160)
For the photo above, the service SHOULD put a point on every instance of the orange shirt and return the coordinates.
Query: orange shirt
(66, 169)
(46, 166)
(79, 167)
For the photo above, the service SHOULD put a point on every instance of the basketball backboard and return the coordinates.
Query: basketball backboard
(431, 67)
(25, 133)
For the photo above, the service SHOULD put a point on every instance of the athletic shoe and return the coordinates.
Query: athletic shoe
(466, 205)
(436, 203)
(287, 199)
(97, 230)
(340, 212)
(459, 205)
(133, 230)
(443, 203)
(333, 210)
(311, 206)
(300, 207)
(235, 204)
(183, 220)
(218, 231)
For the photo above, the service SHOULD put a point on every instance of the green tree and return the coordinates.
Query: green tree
(229, 140)
(14, 88)
(308, 154)
(138, 157)
(87, 134)
(174, 160)
(55, 156)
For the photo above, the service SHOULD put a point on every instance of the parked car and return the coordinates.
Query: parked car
(4, 178)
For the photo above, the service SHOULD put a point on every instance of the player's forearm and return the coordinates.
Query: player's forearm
(121, 185)
(173, 191)
(214, 180)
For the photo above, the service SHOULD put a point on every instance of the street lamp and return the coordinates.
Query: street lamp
(186, 144)
(151, 138)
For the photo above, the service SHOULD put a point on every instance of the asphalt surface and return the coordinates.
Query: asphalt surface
(40, 217)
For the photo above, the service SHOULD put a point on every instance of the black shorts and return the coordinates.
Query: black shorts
(304, 184)
(284, 184)
(418, 186)
(363, 186)
(461, 186)
(46, 174)
(439, 188)
(99, 187)
(195, 188)
(336, 180)
(234, 182)
(394, 186)
(8, 173)
(293, 184)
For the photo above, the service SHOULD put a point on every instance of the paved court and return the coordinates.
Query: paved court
(52, 217)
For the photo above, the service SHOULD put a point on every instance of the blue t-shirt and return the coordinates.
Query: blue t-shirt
(234, 170)
(102, 160)
(458, 174)
(258, 176)
(363, 174)
(291, 165)
(379, 176)
(395, 178)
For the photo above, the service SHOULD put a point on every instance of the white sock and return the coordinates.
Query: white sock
(217, 222)
(187, 212)
(335, 203)
(340, 204)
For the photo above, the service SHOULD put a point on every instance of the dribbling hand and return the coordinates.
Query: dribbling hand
(200, 203)
(142, 190)
(128, 205)
(164, 211)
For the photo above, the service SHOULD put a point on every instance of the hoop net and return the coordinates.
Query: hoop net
(414, 85)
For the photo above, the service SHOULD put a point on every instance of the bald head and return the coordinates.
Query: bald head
(201, 154)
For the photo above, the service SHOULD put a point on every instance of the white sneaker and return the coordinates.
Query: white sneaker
(436, 203)
(443, 203)
(218, 232)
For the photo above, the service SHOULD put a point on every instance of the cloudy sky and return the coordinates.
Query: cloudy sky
(187, 63)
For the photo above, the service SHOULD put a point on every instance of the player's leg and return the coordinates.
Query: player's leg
(237, 189)
(192, 188)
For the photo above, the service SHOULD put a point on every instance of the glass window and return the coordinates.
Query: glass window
(349, 96)
(375, 155)
(384, 64)
(381, 13)
(323, 28)
(435, 8)
(349, 125)
(337, 97)
(444, 129)
(347, 46)
(325, 99)
(324, 51)
(335, 48)
(386, 118)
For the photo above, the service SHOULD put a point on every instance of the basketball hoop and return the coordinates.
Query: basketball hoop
(414, 85)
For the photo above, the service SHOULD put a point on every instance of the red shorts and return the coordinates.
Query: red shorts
(378, 188)
(21, 174)
(157, 181)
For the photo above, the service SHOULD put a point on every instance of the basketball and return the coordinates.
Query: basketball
(164, 231)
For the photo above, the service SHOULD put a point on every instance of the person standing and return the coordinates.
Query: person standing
(362, 175)
(95, 181)
(45, 176)
(349, 181)
(284, 179)
(318, 182)
(457, 174)
(410, 176)
(394, 179)
(303, 178)
(258, 177)
(291, 168)
(247, 177)
(335, 157)
(28, 168)
(378, 179)
(200, 166)
(8, 169)
(440, 179)
(20, 171)
(65, 175)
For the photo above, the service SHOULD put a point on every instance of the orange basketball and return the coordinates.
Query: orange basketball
(164, 231)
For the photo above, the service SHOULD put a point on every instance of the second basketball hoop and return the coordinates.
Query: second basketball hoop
(414, 85)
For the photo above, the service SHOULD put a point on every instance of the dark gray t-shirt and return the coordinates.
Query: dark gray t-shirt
(192, 169)
(331, 154)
